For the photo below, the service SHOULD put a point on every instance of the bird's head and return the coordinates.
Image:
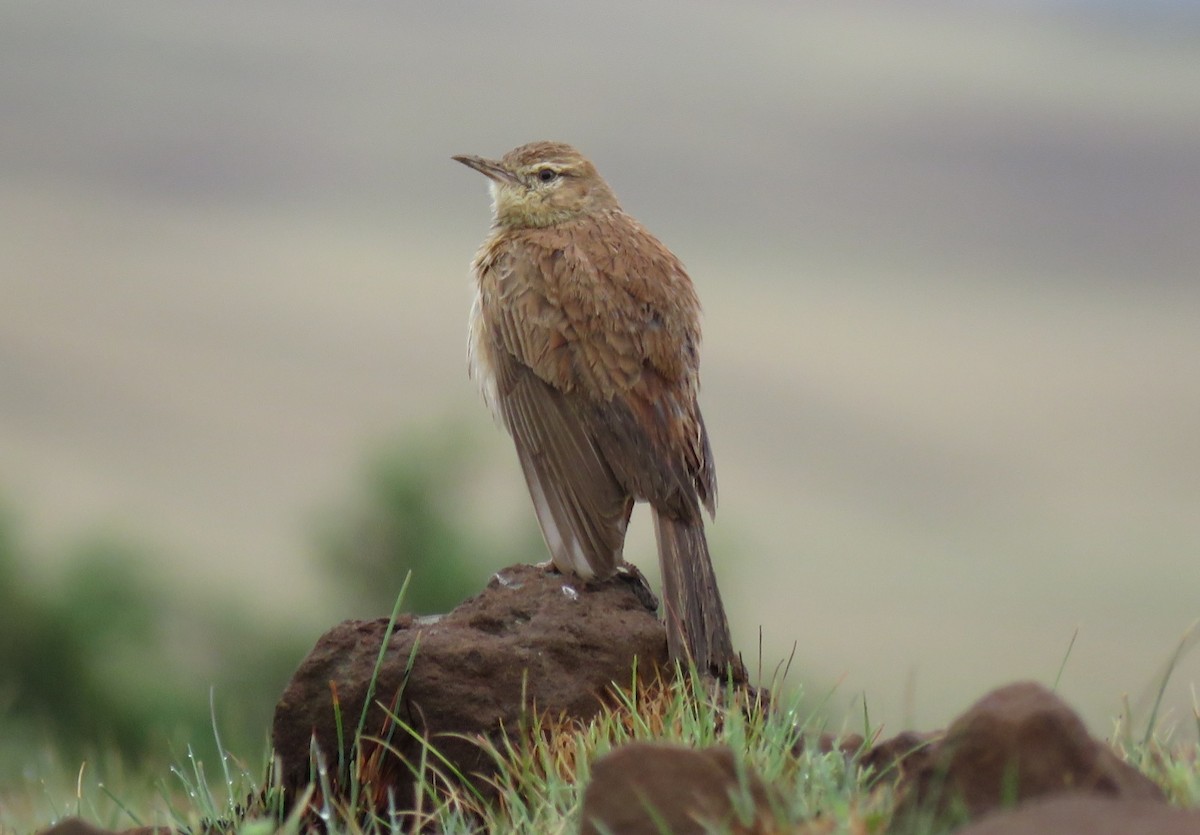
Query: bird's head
(542, 184)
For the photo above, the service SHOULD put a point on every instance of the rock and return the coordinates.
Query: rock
(848, 745)
(648, 789)
(905, 752)
(532, 640)
(1089, 815)
(74, 826)
(1018, 742)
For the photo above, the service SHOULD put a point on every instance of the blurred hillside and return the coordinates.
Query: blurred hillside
(948, 256)
(109, 662)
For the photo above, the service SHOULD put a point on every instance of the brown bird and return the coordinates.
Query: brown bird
(584, 337)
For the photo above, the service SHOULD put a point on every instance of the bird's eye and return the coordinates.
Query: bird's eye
(546, 174)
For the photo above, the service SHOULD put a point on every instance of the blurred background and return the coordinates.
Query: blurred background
(948, 254)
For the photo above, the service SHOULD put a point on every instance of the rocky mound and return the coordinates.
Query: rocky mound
(537, 644)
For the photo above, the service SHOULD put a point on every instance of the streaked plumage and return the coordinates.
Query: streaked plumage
(584, 337)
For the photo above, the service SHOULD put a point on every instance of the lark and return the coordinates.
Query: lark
(584, 337)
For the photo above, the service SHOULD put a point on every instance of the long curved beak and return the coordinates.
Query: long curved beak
(489, 168)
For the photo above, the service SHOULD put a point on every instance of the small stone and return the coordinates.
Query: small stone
(1089, 815)
(906, 751)
(74, 826)
(1018, 742)
(648, 789)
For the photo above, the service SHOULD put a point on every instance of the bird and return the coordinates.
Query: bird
(584, 338)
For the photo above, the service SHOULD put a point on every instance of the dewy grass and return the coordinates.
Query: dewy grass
(354, 777)
(1190, 638)
(542, 770)
(542, 767)
(201, 807)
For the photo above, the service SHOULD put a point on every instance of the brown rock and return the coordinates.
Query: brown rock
(906, 751)
(649, 789)
(1018, 742)
(1089, 815)
(74, 826)
(532, 640)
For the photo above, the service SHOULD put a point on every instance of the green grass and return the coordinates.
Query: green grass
(542, 767)
(541, 771)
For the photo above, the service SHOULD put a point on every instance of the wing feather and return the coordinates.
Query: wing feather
(594, 352)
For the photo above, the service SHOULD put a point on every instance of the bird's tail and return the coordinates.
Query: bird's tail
(697, 629)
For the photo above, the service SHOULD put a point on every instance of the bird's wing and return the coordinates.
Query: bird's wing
(616, 329)
(644, 338)
(581, 507)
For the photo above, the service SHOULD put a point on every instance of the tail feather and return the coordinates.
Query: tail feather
(697, 629)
